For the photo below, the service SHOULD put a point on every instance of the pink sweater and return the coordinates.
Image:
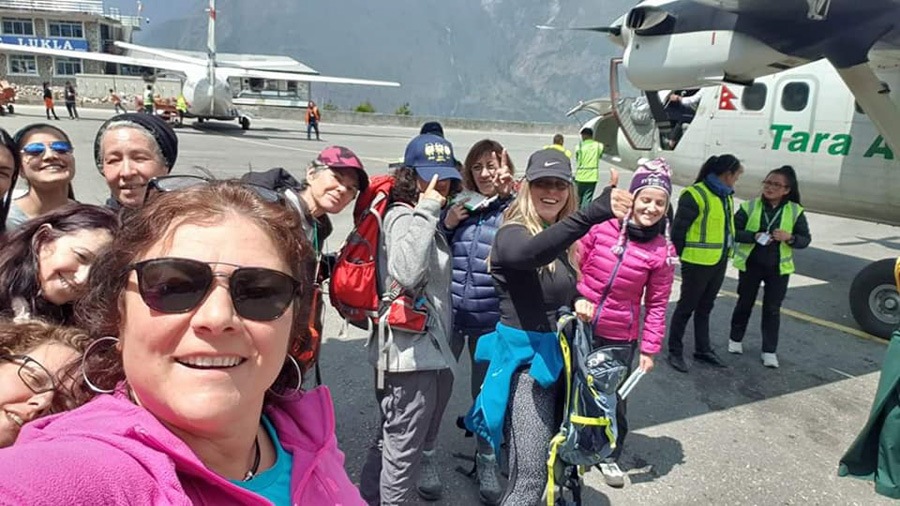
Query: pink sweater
(111, 451)
(643, 272)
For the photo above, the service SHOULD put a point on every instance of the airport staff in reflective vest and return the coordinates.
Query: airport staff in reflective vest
(768, 230)
(703, 235)
(587, 166)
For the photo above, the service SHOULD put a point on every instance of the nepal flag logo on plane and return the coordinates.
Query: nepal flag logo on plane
(726, 100)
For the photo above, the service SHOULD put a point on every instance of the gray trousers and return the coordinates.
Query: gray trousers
(412, 405)
(479, 371)
(533, 420)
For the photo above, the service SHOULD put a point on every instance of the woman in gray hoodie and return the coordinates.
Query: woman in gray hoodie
(414, 368)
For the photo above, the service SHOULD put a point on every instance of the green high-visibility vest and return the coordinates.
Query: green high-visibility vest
(705, 240)
(754, 209)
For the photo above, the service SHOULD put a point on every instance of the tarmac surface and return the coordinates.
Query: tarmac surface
(743, 435)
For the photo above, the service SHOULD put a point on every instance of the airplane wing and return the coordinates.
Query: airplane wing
(162, 53)
(104, 57)
(225, 72)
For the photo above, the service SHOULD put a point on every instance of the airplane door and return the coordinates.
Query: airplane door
(631, 109)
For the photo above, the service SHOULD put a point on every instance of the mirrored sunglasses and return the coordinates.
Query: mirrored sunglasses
(38, 148)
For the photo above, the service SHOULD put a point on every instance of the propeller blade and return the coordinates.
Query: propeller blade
(614, 30)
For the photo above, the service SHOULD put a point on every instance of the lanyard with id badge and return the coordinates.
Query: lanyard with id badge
(766, 236)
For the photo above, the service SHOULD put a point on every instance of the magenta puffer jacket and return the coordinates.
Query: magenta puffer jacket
(643, 272)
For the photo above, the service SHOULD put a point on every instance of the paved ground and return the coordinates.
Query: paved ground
(745, 435)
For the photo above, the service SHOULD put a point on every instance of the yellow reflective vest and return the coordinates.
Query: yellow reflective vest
(705, 240)
(754, 209)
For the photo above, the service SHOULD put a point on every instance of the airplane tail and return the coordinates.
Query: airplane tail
(211, 52)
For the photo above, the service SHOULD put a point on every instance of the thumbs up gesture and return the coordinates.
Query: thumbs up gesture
(620, 200)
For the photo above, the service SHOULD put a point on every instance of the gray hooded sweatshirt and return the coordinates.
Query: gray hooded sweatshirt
(413, 254)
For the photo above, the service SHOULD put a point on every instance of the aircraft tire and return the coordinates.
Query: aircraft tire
(11, 109)
(245, 123)
(874, 300)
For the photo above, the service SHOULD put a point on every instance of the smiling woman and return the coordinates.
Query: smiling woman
(44, 264)
(48, 165)
(206, 291)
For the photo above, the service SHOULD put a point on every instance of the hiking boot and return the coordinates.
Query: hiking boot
(677, 363)
(612, 475)
(710, 358)
(735, 347)
(429, 483)
(770, 360)
(489, 488)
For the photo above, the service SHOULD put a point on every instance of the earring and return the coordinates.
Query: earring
(87, 381)
(296, 389)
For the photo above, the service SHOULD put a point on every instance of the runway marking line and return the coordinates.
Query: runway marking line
(814, 320)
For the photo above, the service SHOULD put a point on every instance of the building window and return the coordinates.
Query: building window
(795, 97)
(23, 64)
(67, 66)
(16, 26)
(754, 97)
(67, 29)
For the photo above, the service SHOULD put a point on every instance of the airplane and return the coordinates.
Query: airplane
(205, 80)
(800, 82)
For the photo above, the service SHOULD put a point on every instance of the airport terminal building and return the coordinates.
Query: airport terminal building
(79, 25)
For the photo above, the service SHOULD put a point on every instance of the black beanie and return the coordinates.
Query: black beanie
(156, 126)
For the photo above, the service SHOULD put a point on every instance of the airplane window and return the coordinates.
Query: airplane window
(795, 97)
(754, 97)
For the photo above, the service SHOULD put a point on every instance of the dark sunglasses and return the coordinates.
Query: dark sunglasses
(35, 376)
(165, 184)
(38, 148)
(178, 285)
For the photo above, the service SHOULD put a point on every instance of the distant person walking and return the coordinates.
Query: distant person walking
(587, 166)
(768, 230)
(48, 101)
(312, 120)
(148, 99)
(117, 102)
(69, 94)
(703, 234)
(559, 145)
(181, 105)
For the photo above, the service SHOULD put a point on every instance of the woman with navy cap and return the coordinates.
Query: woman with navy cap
(415, 368)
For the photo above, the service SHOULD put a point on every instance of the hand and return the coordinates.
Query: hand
(432, 193)
(646, 363)
(758, 235)
(584, 310)
(455, 215)
(503, 178)
(620, 200)
(782, 235)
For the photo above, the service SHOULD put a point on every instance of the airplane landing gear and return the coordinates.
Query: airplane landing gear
(245, 122)
(874, 300)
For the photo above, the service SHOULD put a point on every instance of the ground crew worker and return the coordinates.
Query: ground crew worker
(703, 233)
(559, 145)
(181, 106)
(148, 99)
(587, 166)
(768, 230)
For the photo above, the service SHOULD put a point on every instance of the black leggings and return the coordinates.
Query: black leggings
(748, 286)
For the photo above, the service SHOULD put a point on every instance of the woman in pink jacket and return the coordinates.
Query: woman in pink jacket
(620, 266)
(206, 290)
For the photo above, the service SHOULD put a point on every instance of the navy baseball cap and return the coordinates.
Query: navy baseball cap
(431, 155)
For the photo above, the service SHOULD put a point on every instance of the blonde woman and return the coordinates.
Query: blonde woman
(533, 268)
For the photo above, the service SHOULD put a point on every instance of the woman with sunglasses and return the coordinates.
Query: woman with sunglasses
(487, 172)
(131, 149)
(534, 269)
(37, 368)
(703, 235)
(10, 163)
(768, 230)
(44, 264)
(48, 165)
(204, 292)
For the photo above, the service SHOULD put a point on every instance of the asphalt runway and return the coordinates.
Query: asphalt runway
(744, 435)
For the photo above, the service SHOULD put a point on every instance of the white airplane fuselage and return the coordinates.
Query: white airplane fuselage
(844, 166)
(205, 101)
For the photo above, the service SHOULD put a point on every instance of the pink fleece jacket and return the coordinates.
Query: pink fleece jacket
(643, 272)
(111, 451)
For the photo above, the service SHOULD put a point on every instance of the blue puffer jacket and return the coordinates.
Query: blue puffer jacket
(475, 303)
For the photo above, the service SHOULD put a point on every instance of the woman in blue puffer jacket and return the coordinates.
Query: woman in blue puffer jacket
(470, 225)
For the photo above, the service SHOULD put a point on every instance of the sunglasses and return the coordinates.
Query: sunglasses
(179, 285)
(38, 148)
(550, 183)
(165, 184)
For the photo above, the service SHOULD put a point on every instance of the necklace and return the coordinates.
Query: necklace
(252, 472)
